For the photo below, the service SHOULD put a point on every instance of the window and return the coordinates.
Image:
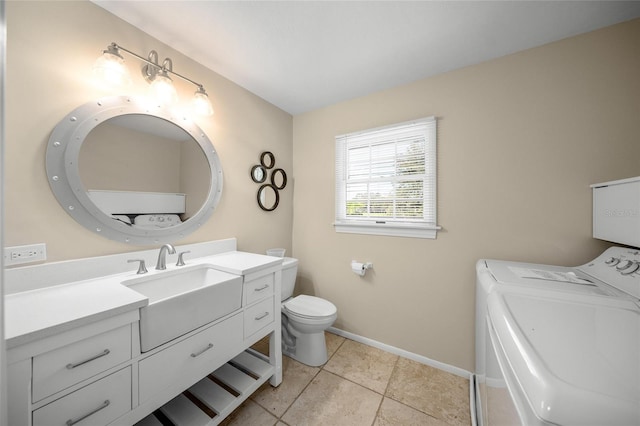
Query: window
(386, 180)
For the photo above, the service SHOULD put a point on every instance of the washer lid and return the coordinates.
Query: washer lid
(310, 306)
(575, 358)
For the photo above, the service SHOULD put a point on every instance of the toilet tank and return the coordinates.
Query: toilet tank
(289, 272)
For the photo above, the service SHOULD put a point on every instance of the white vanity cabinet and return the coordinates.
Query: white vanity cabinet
(261, 292)
(84, 366)
(215, 363)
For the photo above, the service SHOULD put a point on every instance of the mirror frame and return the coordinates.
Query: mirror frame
(267, 156)
(63, 173)
(283, 176)
(276, 195)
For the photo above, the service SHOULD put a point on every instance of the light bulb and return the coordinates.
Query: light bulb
(162, 89)
(110, 68)
(201, 104)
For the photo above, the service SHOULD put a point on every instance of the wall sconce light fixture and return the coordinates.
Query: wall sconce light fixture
(110, 67)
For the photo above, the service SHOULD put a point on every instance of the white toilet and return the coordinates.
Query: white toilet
(304, 320)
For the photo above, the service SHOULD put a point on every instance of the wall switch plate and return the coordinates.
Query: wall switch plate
(25, 254)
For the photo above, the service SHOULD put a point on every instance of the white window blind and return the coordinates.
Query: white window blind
(386, 180)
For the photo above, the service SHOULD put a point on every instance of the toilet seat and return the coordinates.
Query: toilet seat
(310, 307)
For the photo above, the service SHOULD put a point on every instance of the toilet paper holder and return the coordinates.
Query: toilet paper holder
(359, 268)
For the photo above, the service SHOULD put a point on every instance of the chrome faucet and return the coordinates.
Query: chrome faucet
(162, 256)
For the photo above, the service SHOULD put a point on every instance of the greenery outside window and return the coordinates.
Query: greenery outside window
(386, 180)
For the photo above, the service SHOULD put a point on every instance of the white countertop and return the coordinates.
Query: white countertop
(43, 312)
(33, 315)
(242, 263)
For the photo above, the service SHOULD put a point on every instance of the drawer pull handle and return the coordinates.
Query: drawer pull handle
(261, 316)
(72, 422)
(209, 346)
(77, 364)
(264, 287)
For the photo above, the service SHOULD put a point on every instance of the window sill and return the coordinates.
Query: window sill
(388, 229)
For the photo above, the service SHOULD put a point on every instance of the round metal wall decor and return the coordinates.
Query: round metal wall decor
(268, 194)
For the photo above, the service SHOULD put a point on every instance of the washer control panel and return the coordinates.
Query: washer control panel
(625, 266)
(618, 267)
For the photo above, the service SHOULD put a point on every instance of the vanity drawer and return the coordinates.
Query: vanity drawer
(188, 361)
(258, 289)
(258, 316)
(65, 366)
(99, 403)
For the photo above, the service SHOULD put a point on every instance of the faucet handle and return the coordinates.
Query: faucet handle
(142, 269)
(180, 259)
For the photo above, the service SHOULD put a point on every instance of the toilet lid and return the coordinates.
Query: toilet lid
(310, 306)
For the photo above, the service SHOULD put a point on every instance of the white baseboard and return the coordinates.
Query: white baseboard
(401, 352)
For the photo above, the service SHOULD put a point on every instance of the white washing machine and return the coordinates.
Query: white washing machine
(558, 345)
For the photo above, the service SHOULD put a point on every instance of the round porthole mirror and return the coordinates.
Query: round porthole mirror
(133, 172)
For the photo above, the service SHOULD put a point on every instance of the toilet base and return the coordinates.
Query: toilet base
(309, 349)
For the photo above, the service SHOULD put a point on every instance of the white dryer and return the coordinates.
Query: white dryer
(492, 274)
(558, 345)
(562, 355)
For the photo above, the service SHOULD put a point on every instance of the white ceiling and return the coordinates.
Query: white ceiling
(303, 55)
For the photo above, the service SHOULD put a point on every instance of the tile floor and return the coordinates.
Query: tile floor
(359, 385)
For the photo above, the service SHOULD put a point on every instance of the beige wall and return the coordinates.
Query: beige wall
(520, 139)
(51, 49)
(115, 158)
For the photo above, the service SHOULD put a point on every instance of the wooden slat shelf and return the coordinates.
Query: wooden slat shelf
(243, 375)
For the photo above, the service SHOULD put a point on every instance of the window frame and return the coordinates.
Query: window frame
(421, 228)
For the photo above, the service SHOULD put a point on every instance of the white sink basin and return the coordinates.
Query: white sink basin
(183, 299)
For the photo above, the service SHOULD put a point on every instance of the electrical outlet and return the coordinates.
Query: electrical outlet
(25, 254)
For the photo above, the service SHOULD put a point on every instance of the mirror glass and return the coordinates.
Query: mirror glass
(133, 172)
(258, 174)
(268, 197)
(143, 153)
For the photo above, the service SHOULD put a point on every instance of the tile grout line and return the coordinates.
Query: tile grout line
(320, 368)
(384, 393)
(431, 415)
(395, 366)
(353, 381)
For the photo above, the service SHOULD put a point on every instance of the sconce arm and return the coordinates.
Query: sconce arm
(152, 62)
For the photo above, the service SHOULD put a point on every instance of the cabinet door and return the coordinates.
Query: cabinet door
(96, 404)
(187, 361)
(63, 367)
